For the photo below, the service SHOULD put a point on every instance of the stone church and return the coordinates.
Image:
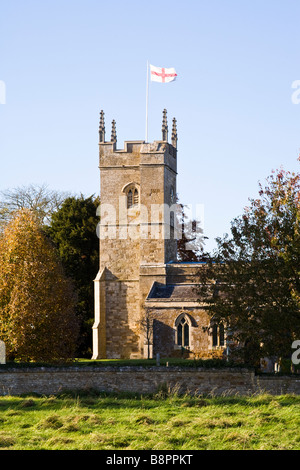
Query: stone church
(145, 300)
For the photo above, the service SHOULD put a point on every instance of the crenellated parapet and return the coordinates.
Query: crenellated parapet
(109, 148)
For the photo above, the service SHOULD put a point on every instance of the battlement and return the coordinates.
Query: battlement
(136, 149)
(138, 153)
(138, 146)
(130, 146)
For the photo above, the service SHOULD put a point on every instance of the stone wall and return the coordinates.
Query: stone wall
(143, 380)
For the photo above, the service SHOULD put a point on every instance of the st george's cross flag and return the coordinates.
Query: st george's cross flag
(162, 75)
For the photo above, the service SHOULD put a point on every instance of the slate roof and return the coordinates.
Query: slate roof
(173, 292)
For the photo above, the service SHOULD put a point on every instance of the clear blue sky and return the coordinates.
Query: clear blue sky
(63, 61)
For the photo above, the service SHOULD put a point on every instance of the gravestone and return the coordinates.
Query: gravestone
(158, 359)
(2, 353)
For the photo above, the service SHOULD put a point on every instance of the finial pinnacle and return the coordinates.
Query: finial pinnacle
(174, 133)
(165, 126)
(101, 127)
(113, 132)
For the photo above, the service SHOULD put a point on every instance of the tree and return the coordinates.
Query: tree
(252, 283)
(73, 231)
(146, 324)
(190, 238)
(37, 319)
(39, 199)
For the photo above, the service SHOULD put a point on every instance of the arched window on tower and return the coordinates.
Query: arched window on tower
(129, 199)
(132, 194)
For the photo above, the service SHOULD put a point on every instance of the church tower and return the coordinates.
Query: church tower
(136, 232)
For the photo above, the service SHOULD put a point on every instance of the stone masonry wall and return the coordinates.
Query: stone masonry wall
(143, 380)
(165, 331)
(129, 241)
(122, 319)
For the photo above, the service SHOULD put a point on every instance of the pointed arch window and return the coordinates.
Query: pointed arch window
(132, 194)
(218, 335)
(215, 335)
(221, 335)
(129, 199)
(183, 330)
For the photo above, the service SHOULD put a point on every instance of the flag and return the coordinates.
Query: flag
(162, 75)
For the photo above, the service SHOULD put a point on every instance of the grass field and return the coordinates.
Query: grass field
(115, 422)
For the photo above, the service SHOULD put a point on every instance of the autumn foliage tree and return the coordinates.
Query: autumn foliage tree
(37, 320)
(252, 284)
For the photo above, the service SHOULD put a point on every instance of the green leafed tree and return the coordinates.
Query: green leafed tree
(253, 282)
(37, 301)
(73, 231)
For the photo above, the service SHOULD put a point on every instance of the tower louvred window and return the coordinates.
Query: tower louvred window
(132, 197)
(129, 199)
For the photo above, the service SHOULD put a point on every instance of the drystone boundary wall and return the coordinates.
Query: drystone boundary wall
(54, 380)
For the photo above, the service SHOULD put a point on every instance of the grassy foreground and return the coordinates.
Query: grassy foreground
(121, 422)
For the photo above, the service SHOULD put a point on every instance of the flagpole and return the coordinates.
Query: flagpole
(147, 100)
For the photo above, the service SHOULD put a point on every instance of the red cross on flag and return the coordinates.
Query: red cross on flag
(162, 75)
